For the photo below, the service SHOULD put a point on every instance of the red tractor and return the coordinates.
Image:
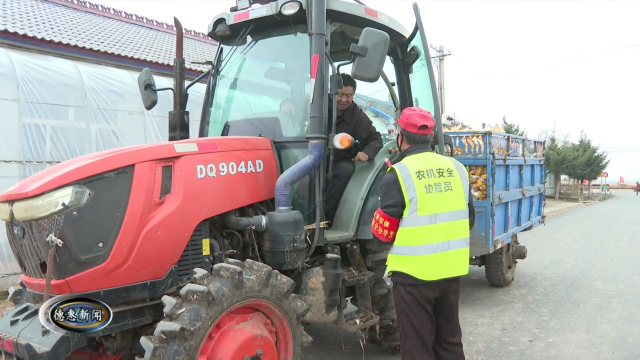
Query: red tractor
(213, 248)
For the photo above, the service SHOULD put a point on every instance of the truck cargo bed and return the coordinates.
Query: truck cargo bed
(508, 178)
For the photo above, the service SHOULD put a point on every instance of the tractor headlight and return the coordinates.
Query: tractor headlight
(5, 212)
(289, 8)
(50, 204)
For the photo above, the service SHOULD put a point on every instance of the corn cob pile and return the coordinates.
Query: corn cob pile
(478, 180)
(462, 127)
(469, 145)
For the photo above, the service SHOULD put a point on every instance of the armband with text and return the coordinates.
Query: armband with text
(384, 227)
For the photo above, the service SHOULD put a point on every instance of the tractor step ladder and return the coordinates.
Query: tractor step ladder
(337, 235)
(359, 277)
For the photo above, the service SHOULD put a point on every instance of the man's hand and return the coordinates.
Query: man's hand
(362, 157)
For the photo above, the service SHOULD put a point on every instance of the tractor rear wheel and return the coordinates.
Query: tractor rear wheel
(240, 310)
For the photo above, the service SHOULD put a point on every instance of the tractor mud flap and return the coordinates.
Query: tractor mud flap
(23, 336)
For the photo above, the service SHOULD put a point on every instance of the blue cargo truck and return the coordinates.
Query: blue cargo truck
(507, 174)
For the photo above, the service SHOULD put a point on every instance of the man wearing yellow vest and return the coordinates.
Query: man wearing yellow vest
(426, 211)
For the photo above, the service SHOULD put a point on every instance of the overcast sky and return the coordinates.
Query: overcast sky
(572, 63)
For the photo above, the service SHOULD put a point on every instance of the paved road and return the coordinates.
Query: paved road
(576, 296)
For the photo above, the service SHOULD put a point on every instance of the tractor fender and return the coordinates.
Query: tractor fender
(370, 205)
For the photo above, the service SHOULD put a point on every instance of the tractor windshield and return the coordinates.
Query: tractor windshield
(263, 86)
(262, 89)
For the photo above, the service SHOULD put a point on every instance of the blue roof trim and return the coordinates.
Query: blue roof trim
(379, 112)
(366, 98)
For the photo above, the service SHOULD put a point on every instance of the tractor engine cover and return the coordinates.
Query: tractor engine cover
(283, 244)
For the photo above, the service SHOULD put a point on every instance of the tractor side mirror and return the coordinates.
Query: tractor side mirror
(369, 55)
(148, 90)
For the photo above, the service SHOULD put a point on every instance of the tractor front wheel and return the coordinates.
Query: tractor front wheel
(240, 310)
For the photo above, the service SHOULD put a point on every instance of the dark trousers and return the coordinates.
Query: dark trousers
(428, 320)
(342, 172)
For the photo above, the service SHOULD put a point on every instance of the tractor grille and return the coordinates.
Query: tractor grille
(29, 244)
(193, 256)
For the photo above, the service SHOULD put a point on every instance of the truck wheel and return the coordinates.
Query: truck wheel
(500, 267)
(240, 310)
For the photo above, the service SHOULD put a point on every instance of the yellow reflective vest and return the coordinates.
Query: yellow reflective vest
(432, 241)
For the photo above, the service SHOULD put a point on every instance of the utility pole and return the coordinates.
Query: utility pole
(440, 56)
(441, 79)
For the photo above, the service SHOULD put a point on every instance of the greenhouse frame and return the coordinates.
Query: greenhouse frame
(63, 94)
(56, 109)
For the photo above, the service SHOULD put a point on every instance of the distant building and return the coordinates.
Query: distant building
(68, 85)
(89, 32)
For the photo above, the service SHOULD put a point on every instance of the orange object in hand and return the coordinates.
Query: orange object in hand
(342, 141)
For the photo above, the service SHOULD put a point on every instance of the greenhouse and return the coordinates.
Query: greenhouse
(57, 109)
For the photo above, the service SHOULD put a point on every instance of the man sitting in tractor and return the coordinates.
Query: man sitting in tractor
(294, 126)
(353, 121)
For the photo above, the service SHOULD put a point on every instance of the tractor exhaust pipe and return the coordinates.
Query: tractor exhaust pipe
(179, 117)
(284, 241)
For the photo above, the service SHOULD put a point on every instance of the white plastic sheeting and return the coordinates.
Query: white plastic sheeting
(54, 109)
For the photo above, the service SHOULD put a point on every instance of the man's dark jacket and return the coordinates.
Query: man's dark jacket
(392, 203)
(356, 123)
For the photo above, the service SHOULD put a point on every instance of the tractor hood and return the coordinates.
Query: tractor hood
(84, 166)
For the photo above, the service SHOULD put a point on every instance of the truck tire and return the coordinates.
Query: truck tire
(239, 310)
(500, 267)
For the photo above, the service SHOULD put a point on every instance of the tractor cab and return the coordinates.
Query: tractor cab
(262, 83)
(274, 75)
(261, 87)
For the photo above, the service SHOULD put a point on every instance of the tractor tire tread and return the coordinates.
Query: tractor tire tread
(201, 303)
(169, 305)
